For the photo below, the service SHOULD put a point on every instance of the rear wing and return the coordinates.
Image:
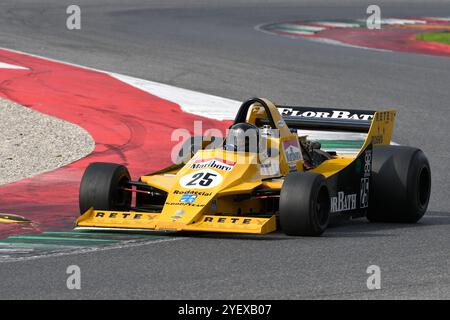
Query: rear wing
(327, 119)
(378, 125)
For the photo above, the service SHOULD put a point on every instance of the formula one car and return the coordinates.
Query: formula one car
(283, 180)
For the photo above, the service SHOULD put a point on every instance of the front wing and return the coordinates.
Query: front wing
(122, 220)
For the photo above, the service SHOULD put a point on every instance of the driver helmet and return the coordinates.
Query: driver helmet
(242, 137)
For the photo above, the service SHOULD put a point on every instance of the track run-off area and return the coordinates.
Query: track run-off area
(130, 120)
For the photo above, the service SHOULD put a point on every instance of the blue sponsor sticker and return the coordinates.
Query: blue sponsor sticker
(188, 198)
(214, 205)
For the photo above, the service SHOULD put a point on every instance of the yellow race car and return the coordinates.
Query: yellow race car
(265, 175)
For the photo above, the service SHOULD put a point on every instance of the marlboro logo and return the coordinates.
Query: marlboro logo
(214, 163)
(292, 150)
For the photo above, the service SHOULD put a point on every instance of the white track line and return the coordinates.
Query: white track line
(4, 65)
(122, 245)
(338, 24)
(402, 21)
(190, 101)
(17, 250)
(343, 44)
(303, 27)
(438, 18)
(53, 60)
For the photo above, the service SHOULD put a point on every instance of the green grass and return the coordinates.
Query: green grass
(440, 37)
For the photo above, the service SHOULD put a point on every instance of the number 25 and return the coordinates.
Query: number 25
(205, 181)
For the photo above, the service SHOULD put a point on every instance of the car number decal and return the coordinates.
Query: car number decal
(202, 179)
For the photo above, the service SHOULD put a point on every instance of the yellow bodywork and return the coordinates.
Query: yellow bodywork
(226, 175)
(12, 218)
(243, 178)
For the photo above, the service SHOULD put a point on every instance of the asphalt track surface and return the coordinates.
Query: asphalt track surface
(214, 48)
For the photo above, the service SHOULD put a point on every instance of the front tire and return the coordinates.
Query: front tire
(101, 187)
(304, 204)
(401, 184)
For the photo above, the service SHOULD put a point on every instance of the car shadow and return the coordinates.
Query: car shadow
(338, 228)
(277, 235)
(363, 228)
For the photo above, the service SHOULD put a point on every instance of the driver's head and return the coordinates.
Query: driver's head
(242, 137)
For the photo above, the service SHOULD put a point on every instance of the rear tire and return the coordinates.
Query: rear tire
(304, 204)
(101, 185)
(401, 184)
